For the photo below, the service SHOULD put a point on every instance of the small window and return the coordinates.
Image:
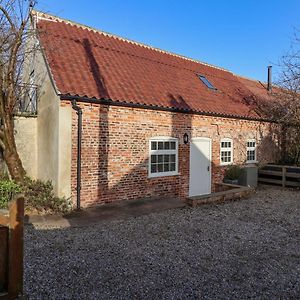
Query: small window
(251, 151)
(226, 152)
(163, 157)
(206, 82)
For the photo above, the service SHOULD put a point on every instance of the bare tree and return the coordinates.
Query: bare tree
(284, 107)
(14, 31)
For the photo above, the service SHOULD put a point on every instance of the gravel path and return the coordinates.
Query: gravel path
(236, 250)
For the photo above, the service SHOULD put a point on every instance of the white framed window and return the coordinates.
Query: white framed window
(226, 152)
(163, 156)
(251, 151)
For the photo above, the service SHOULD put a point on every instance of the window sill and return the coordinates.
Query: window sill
(251, 162)
(226, 164)
(156, 175)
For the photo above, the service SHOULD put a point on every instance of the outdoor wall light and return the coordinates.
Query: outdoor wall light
(185, 138)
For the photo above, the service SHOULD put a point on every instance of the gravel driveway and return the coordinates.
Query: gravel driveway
(236, 250)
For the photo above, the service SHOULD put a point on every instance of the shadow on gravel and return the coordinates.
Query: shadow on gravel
(108, 212)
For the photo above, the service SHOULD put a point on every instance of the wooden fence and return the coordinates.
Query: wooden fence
(280, 175)
(11, 250)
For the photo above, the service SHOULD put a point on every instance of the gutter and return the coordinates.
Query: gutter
(159, 108)
(79, 138)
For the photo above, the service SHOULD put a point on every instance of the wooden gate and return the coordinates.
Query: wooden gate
(11, 250)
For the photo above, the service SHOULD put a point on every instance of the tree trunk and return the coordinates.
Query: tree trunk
(14, 165)
(283, 143)
(11, 156)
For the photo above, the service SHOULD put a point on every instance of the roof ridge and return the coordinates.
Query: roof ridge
(45, 16)
(251, 79)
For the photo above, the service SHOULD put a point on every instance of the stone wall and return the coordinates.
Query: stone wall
(26, 142)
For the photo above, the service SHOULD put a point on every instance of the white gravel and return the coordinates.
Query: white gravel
(236, 250)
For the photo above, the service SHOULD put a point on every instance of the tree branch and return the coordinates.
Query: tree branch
(2, 145)
(6, 14)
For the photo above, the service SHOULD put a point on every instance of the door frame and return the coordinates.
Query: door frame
(195, 139)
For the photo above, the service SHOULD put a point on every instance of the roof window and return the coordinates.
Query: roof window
(206, 82)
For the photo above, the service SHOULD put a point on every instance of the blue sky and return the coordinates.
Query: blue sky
(242, 36)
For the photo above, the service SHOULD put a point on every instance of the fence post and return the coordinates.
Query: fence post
(283, 176)
(15, 260)
(3, 258)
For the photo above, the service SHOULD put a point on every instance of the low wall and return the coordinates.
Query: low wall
(224, 192)
(222, 187)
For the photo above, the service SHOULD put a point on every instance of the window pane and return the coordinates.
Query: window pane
(226, 156)
(166, 167)
(153, 145)
(160, 167)
(153, 168)
(251, 144)
(226, 145)
(160, 158)
(163, 163)
(206, 82)
(153, 158)
(251, 155)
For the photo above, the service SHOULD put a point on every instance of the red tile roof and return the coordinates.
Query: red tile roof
(90, 63)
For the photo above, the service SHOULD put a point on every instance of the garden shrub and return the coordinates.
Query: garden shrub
(38, 195)
(8, 189)
(233, 172)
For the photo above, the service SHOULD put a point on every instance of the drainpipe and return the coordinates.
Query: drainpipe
(79, 135)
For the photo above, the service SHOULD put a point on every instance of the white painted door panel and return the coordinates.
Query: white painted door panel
(200, 167)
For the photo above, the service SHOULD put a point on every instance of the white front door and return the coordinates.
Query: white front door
(200, 166)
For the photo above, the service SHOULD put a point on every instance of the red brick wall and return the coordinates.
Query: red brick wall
(115, 150)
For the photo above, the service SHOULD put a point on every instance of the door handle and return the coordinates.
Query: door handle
(208, 168)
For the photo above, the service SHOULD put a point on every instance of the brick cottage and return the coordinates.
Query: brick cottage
(154, 124)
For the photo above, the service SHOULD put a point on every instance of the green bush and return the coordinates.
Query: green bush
(8, 189)
(40, 197)
(233, 172)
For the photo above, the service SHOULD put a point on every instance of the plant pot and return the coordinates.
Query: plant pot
(231, 181)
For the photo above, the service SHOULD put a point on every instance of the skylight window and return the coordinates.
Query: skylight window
(206, 82)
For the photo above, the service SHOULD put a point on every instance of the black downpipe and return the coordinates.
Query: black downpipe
(79, 137)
